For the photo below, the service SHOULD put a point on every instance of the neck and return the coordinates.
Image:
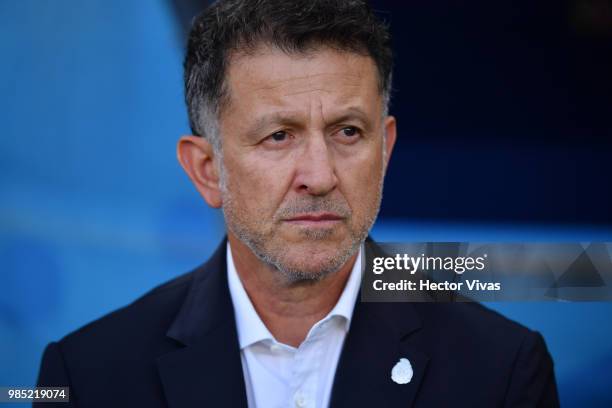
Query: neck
(287, 310)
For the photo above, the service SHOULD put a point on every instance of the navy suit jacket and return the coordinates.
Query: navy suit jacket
(177, 346)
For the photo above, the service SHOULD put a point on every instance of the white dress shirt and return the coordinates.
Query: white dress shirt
(277, 375)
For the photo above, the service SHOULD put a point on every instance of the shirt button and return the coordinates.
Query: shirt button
(300, 400)
(275, 348)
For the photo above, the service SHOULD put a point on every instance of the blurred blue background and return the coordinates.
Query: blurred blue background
(504, 135)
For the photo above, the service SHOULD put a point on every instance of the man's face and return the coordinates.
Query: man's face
(302, 157)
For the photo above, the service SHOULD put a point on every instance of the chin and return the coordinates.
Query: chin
(298, 272)
(316, 250)
(313, 262)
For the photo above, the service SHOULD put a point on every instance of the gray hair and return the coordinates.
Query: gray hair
(295, 27)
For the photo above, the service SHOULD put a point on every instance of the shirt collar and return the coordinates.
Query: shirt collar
(251, 328)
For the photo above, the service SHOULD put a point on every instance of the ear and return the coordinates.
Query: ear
(390, 136)
(197, 157)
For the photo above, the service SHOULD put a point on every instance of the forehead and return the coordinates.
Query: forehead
(269, 77)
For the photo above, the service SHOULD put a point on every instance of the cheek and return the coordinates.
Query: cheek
(259, 184)
(360, 176)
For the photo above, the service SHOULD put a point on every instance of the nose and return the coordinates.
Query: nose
(315, 168)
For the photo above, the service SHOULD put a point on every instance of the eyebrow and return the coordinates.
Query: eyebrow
(352, 112)
(292, 118)
(278, 117)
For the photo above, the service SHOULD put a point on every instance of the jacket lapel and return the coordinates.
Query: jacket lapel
(206, 370)
(380, 334)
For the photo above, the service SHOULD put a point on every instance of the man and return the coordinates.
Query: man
(291, 139)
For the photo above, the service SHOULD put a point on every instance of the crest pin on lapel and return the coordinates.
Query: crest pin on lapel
(402, 371)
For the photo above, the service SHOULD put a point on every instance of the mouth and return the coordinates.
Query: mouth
(316, 220)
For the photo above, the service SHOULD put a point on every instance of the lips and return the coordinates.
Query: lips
(316, 217)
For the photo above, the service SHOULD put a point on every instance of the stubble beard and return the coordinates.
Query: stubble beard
(275, 254)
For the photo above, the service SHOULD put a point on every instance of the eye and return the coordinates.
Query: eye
(280, 136)
(349, 134)
(349, 131)
(277, 140)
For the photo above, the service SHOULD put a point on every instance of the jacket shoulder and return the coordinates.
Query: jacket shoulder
(141, 322)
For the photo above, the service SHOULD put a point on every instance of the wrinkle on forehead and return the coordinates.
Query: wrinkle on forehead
(250, 66)
(320, 86)
(308, 80)
(309, 90)
(311, 84)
